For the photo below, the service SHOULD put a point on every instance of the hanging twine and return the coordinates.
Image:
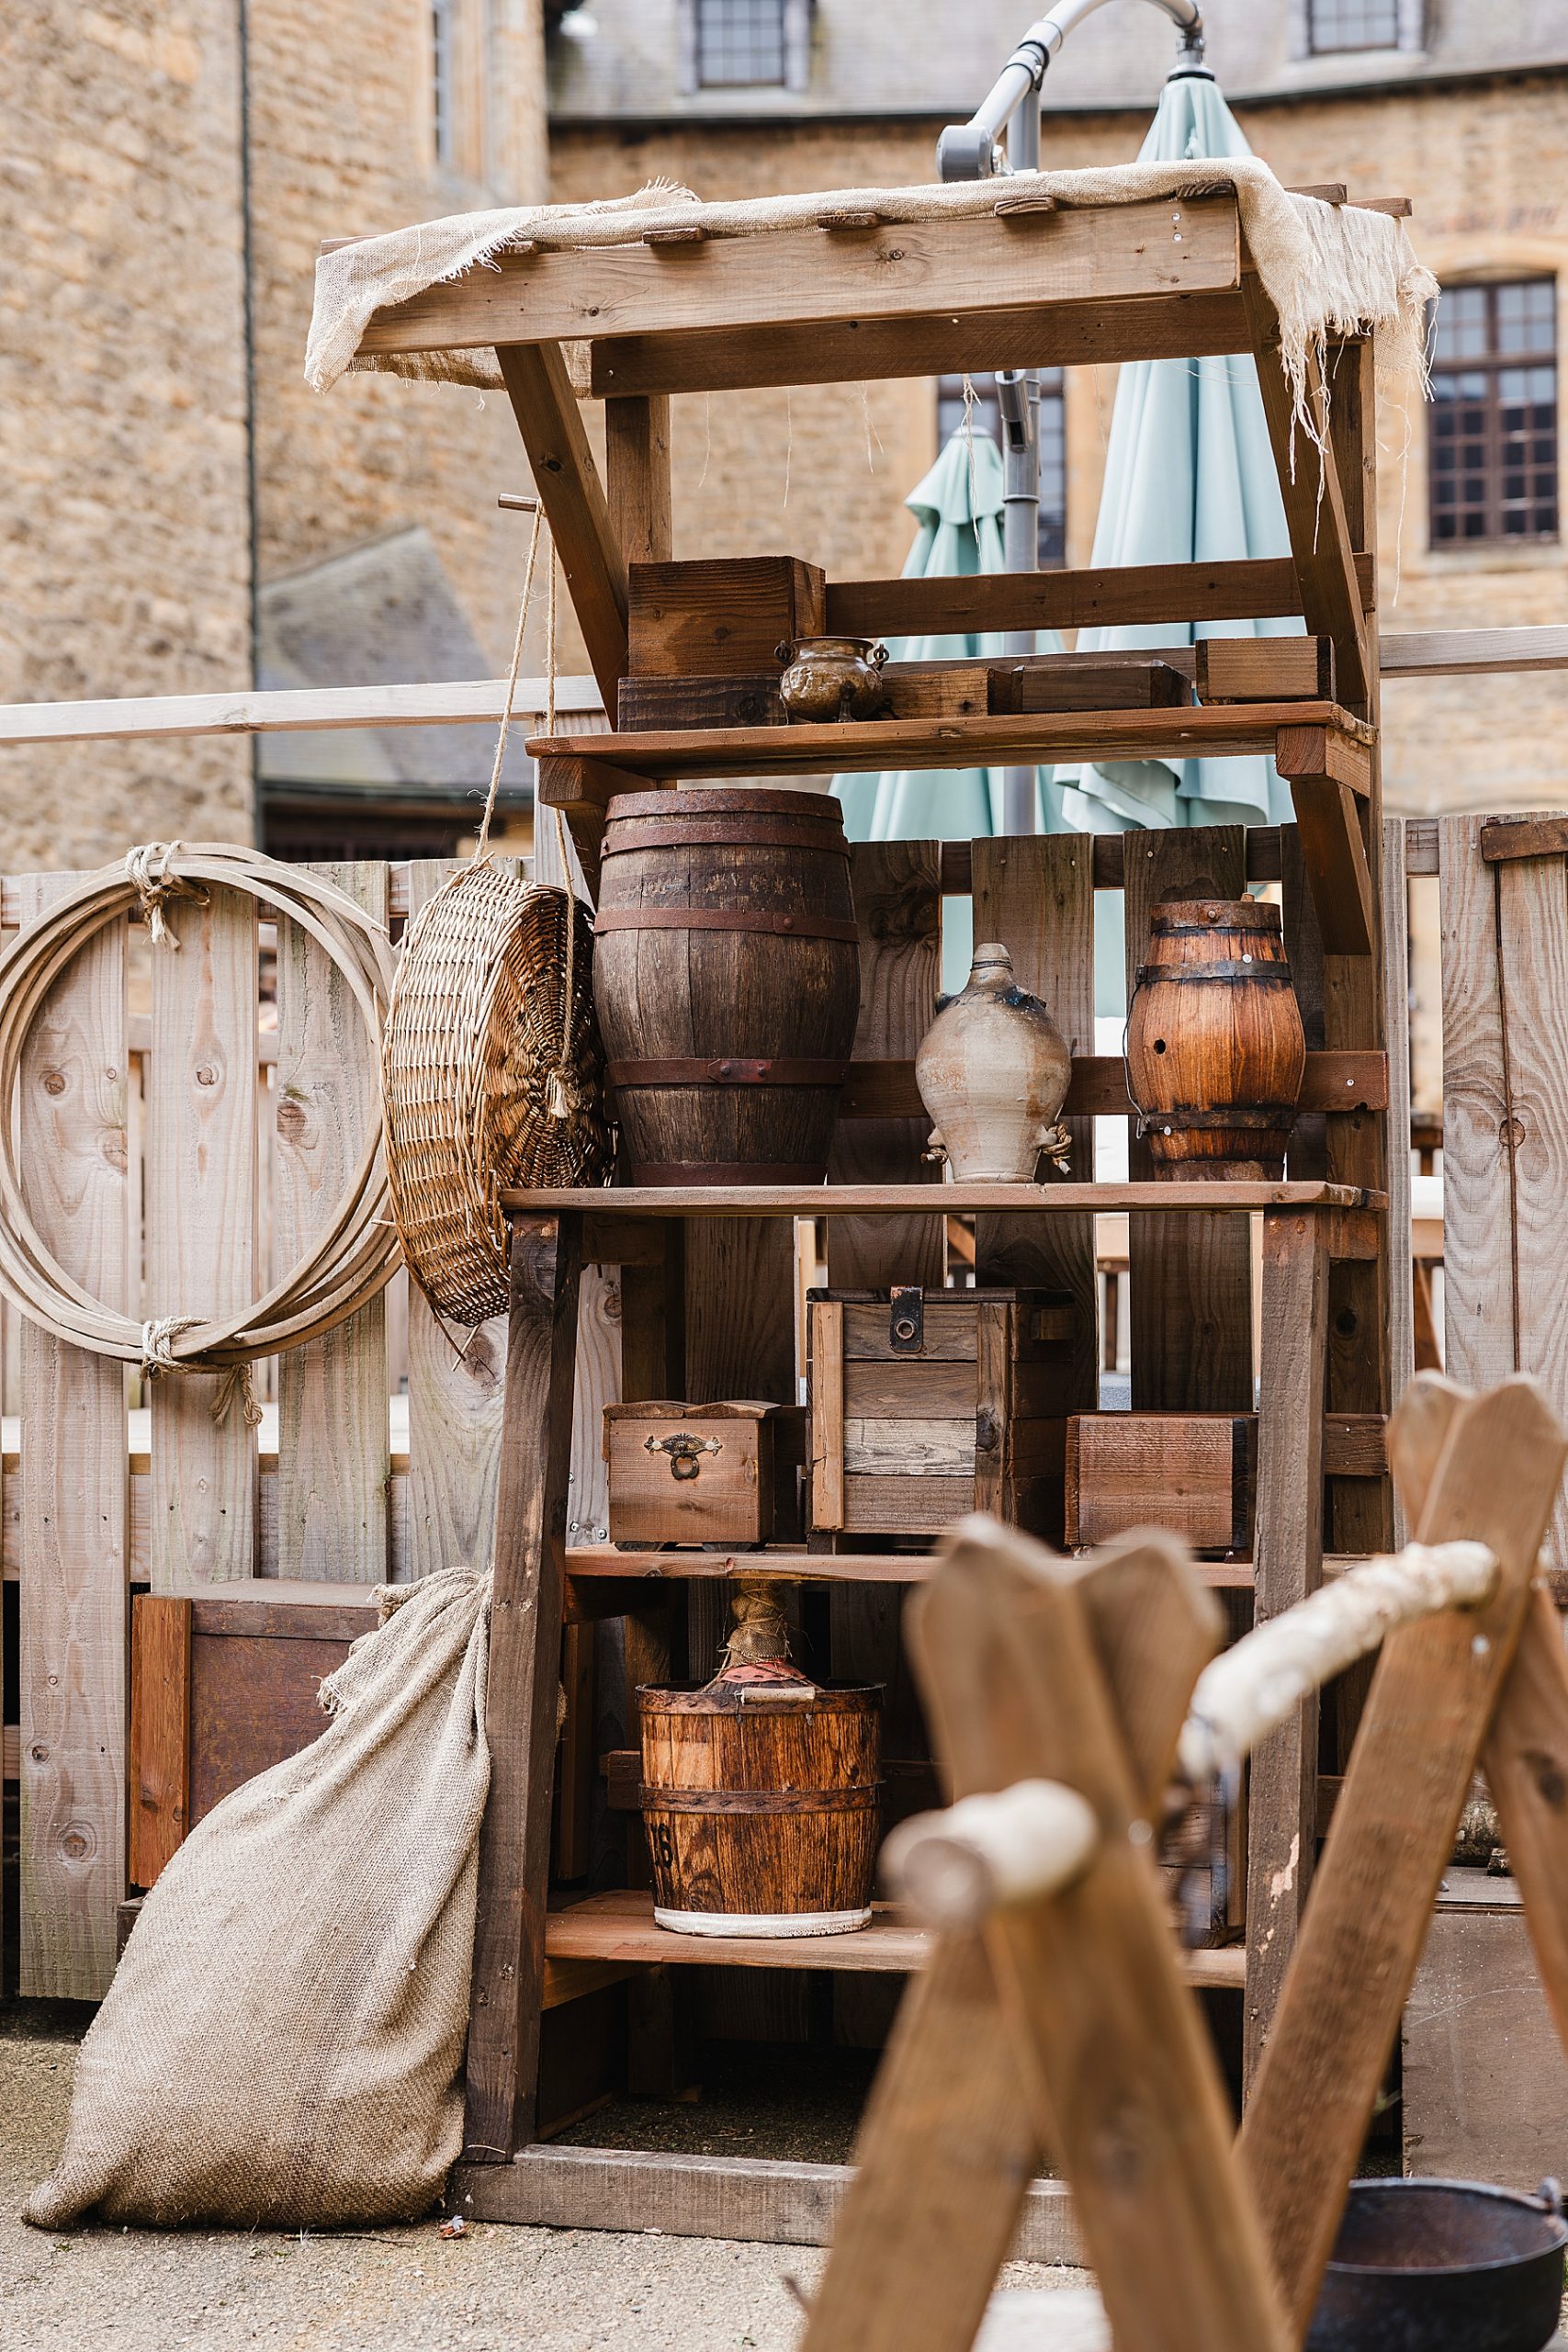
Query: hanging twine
(482, 850)
(759, 1635)
(147, 871)
(557, 1092)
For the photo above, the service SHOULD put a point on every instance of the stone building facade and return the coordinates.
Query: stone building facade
(179, 514)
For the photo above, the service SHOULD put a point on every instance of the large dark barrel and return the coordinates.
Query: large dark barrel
(759, 1799)
(1216, 1048)
(726, 975)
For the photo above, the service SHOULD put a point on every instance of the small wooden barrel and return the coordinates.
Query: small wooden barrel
(727, 976)
(1216, 1048)
(759, 1798)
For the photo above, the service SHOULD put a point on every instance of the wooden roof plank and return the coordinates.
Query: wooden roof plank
(909, 269)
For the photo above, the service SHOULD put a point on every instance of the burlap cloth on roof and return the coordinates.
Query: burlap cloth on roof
(280, 2045)
(1329, 269)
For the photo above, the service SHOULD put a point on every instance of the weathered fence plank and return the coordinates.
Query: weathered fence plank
(74, 1500)
(1478, 1271)
(333, 1442)
(201, 1239)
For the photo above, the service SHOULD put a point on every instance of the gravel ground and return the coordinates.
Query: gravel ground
(387, 2291)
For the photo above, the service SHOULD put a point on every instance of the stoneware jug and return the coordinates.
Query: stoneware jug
(992, 1070)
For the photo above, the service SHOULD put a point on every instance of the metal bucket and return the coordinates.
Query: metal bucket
(1442, 2265)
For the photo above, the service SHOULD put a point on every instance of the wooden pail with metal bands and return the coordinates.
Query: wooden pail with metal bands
(759, 1799)
(1216, 1048)
(726, 975)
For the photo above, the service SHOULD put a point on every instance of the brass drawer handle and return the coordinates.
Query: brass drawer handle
(684, 1451)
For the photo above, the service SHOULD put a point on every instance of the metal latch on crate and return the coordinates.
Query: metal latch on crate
(907, 1319)
(684, 1451)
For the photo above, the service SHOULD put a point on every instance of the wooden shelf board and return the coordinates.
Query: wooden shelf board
(619, 1925)
(607, 1574)
(1220, 731)
(939, 1200)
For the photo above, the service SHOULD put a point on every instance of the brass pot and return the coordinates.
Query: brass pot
(831, 678)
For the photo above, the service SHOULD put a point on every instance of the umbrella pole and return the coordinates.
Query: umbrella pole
(1018, 395)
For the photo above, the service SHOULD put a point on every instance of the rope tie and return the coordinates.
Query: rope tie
(236, 1390)
(760, 1632)
(147, 871)
(157, 1343)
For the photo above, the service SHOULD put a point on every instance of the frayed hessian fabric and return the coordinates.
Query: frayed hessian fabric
(281, 2043)
(1329, 269)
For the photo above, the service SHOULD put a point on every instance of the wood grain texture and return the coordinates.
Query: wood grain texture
(1192, 1473)
(509, 1941)
(805, 275)
(201, 1230)
(456, 1402)
(721, 615)
(1264, 669)
(636, 476)
(567, 482)
(891, 1200)
(1480, 1332)
(160, 1733)
(1047, 335)
(333, 1463)
(1532, 956)
(1395, 916)
(76, 1536)
(1286, 1565)
(1037, 897)
(899, 909)
(1088, 1978)
(948, 2140)
(1192, 1287)
(1525, 1759)
(1222, 731)
(1436, 1684)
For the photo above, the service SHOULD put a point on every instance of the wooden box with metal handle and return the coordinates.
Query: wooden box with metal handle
(701, 1473)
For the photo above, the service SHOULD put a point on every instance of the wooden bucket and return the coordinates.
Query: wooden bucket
(759, 1799)
(1215, 1047)
(726, 975)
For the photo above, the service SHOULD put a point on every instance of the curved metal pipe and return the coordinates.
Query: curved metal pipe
(964, 150)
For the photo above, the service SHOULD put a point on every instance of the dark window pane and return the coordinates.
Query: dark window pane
(741, 43)
(1352, 24)
(1493, 446)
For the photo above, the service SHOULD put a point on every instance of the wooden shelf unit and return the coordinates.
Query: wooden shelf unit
(707, 1281)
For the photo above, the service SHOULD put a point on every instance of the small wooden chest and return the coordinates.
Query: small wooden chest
(695, 1474)
(1192, 1473)
(927, 1403)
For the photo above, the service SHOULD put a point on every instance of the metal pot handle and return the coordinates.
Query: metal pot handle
(1551, 2196)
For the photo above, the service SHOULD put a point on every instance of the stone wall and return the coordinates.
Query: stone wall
(1483, 165)
(124, 526)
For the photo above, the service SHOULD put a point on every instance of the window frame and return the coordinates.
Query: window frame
(795, 21)
(1492, 364)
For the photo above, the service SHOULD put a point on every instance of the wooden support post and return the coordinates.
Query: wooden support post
(1037, 897)
(1191, 1276)
(1318, 766)
(525, 1667)
(567, 482)
(636, 477)
(1321, 534)
(1436, 1687)
(160, 1731)
(1286, 1565)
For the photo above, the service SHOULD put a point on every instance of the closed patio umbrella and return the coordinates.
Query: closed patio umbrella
(1190, 477)
(959, 507)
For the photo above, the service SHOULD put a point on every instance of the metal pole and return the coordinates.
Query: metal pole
(968, 151)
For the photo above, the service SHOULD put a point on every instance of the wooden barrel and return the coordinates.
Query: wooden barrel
(1216, 1048)
(726, 975)
(759, 1798)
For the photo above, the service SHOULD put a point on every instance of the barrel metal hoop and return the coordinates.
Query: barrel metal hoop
(1270, 974)
(781, 1070)
(755, 919)
(723, 832)
(1233, 1114)
(857, 1797)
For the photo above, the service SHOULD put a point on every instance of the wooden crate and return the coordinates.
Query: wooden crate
(1192, 1473)
(726, 615)
(693, 1474)
(927, 1404)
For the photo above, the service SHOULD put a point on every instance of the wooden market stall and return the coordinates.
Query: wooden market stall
(708, 1273)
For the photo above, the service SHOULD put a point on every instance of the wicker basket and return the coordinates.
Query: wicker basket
(478, 1094)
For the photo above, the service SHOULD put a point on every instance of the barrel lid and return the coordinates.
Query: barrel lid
(714, 801)
(768, 1685)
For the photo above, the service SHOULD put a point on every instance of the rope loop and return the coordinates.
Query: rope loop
(147, 871)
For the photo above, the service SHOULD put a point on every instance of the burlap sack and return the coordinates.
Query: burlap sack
(281, 2042)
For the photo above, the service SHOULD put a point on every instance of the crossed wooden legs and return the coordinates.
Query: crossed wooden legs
(1067, 2022)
